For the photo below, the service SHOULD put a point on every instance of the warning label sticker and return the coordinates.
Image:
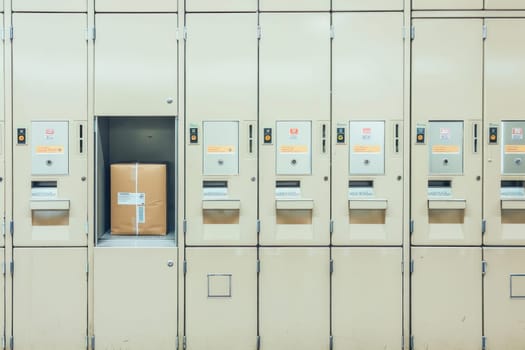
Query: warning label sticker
(514, 149)
(131, 198)
(49, 149)
(294, 149)
(445, 149)
(517, 133)
(367, 149)
(444, 133)
(221, 149)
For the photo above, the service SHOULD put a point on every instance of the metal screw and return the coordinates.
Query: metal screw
(326, 178)
(399, 178)
(170, 263)
(517, 161)
(478, 178)
(253, 179)
(221, 162)
(83, 178)
(294, 161)
(169, 100)
(49, 162)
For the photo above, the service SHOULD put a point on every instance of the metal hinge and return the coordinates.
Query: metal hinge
(258, 226)
(411, 226)
(185, 33)
(332, 32)
(331, 265)
(86, 227)
(184, 343)
(87, 342)
(483, 343)
(331, 226)
(3, 227)
(404, 31)
(411, 345)
(258, 265)
(483, 226)
(12, 343)
(3, 268)
(184, 267)
(11, 33)
(484, 31)
(259, 32)
(12, 227)
(331, 342)
(402, 267)
(12, 267)
(412, 33)
(3, 342)
(258, 344)
(411, 266)
(483, 267)
(177, 342)
(184, 226)
(93, 343)
(91, 33)
(402, 342)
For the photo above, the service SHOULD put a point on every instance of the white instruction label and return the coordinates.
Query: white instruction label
(141, 214)
(287, 193)
(211, 193)
(44, 193)
(360, 192)
(439, 193)
(131, 198)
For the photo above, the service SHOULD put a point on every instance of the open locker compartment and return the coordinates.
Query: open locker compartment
(134, 140)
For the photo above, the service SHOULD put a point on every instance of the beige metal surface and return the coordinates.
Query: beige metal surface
(504, 302)
(294, 297)
(50, 298)
(135, 298)
(367, 298)
(224, 5)
(447, 4)
(366, 69)
(228, 83)
(50, 5)
(3, 201)
(447, 74)
(136, 65)
(294, 5)
(367, 5)
(446, 298)
(136, 6)
(295, 87)
(504, 5)
(2, 293)
(221, 304)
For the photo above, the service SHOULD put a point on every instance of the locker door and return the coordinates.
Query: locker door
(446, 126)
(2, 292)
(50, 133)
(221, 299)
(504, 5)
(294, 295)
(294, 128)
(367, 282)
(225, 5)
(140, 310)
(136, 6)
(136, 65)
(367, 68)
(504, 298)
(50, 5)
(504, 161)
(447, 4)
(367, 5)
(446, 298)
(294, 5)
(2, 174)
(50, 298)
(225, 150)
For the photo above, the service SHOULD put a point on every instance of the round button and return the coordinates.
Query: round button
(267, 138)
(21, 138)
(340, 137)
(493, 137)
(420, 137)
(193, 137)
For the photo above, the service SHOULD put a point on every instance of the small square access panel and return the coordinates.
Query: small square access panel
(219, 285)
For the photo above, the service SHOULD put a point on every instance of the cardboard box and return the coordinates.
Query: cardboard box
(138, 199)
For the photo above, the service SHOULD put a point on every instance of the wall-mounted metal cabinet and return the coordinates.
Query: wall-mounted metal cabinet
(136, 65)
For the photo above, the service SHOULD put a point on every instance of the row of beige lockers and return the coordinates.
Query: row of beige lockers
(268, 298)
(270, 125)
(263, 5)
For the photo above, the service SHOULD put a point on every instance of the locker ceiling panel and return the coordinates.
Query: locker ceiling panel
(50, 298)
(446, 298)
(49, 76)
(136, 64)
(447, 69)
(367, 282)
(221, 303)
(140, 310)
(136, 5)
(223, 5)
(50, 5)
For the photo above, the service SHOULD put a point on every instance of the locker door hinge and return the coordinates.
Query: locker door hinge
(332, 32)
(12, 267)
(12, 343)
(404, 30)
(402, 342)
(258, 226)
(3, 227)
(331, 265)
(3, 268)
(331, 342)
(184, 343)
(87, 268)
(11, 227)
(86, 227)
(483, 226)
(402, 267)
(411, 345)
(3, 342)
(411, 226)
(185, 33)
(412, 33)
(184, 267)
(411, 266)
(483, 343)
(93, 343)
(258, 344)
(91, 34)
(258, 266)
(259, 32)
(184, 226)
(331, 226)
(483, 267)
(484, 31)
(87, 342)
(177, 342)
(11, 33)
